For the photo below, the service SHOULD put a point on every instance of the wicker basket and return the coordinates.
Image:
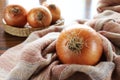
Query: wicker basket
(20, 32)
(24, 32)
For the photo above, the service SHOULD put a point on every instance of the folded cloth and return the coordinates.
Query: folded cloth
(107, 23)
(57, 71)
(108, 5)
(116, 73)
(27, 62)
(102, 18)
(10, 58)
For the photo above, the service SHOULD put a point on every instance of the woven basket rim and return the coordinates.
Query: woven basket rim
(26, 31)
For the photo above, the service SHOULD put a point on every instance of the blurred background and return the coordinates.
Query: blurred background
(70, 9)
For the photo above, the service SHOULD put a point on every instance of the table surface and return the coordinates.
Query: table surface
(7, 41)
